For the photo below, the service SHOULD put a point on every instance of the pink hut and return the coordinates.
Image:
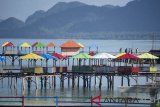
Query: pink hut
(70, 48)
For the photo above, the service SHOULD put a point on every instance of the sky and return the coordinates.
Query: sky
(21, 9)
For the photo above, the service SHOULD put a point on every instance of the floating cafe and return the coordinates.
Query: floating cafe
(72, 64)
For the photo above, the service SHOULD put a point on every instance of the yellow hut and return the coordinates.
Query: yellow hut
(70, 48)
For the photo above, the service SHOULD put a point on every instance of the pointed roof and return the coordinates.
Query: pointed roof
(8, 44)
(39, 44)
(70, 44)
(120, 54)
(31, 56)
(33, 45)
(81, 45)
(82, 56)
(25, 45)
(147, 56)
(59, 56)
(128, 56)
(51, 45)
(104, 56)
(47, 56)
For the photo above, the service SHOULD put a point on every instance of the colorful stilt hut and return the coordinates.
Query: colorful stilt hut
(47, 57)
(81, 67)
(101, 57)
(80, 57)
(149, 59)
(60, 57)
(24, 48)
(31, 57)
(128, 59)
(50, 45)
(8, 48)
(38, 47)
(70, 48)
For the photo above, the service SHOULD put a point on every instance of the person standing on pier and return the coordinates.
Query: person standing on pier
(120, 50)
(136, 50)
(126, 50)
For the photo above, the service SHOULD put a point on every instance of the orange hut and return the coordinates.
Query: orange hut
(50, 45)
(70, 48)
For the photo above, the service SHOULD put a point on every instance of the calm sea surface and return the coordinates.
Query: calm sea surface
(111, 46)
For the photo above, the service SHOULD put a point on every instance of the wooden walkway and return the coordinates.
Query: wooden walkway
(72, 77)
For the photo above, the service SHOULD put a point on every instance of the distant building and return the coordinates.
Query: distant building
(70, 48)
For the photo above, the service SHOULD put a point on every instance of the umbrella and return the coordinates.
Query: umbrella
(127, 56)
(59, 56)
(25, 45)
(31, 56)
(147, 56)
(82, 56)
(103, 56)
(47, 56)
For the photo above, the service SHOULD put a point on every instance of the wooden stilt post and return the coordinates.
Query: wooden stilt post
(15, 83)
(110, 81)
(108, 85)
(128, 80)
(2, 82)
(49, 82)
(78, 81)
(113, 82)
(62, 80)
(36, 79)
(29, 82)
(8, 82)
(84, 81)
(68, 81)
(100, 82)
(87, 80)
(23, 83)
(54, 80)
(95, 81)
(12, 60)
(41, 82)
(90, 81)
(122, 81)
(45, 81)
(73, 82)
(5, 61)
(147, 78)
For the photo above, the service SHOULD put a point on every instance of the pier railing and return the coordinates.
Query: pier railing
(12, 97)
(82, 100)
(22, 101)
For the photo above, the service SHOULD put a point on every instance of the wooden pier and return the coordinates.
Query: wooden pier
(49, 79)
